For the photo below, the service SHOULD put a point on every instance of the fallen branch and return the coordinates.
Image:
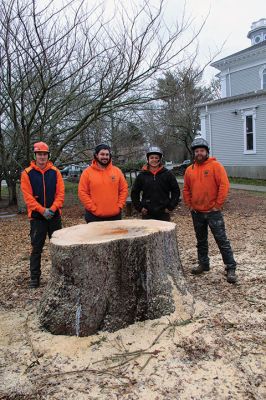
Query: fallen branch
(36, 359)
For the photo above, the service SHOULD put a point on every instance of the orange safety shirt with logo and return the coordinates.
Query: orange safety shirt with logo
(103, 191)
(206, 185)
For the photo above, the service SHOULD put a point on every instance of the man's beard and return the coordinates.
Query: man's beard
(104, 164)
(202, 159)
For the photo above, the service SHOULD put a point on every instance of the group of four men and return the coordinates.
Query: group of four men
(103, 191)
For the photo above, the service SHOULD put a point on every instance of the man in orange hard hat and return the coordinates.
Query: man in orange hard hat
(43, 190)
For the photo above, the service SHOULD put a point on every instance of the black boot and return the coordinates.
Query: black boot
(34, 283)
(199, 269)
(231, 276)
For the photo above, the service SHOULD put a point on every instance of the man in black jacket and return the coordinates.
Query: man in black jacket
(155, 192)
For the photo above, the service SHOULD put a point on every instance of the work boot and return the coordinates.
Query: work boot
(199, 269)
(34, 283)
(231, 276)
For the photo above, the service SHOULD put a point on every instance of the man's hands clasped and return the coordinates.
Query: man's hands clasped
(48, 214)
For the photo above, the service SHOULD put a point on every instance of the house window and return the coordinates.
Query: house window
(203, 126)
(249, 134)
(264, 79)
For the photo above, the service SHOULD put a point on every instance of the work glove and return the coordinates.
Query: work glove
(52, 213)
(48, 214)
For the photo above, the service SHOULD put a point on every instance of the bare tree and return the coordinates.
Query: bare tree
(62, 69)
(215, 88)
(180, 92)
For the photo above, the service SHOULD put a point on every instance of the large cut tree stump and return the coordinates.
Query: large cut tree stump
(107, 275)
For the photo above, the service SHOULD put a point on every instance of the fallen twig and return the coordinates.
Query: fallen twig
(128, 357)
(36, 361)
(146, 363)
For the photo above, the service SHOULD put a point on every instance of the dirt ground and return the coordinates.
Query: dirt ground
(216, 353)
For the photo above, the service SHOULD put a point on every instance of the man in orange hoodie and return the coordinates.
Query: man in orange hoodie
(43, 190)
(102, 187)
(206, 187)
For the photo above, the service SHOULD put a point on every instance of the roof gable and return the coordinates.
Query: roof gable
(257, 51)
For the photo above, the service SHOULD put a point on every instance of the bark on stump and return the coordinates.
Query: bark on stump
(108, 275)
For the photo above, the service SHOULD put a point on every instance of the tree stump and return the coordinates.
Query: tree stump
(108, 275)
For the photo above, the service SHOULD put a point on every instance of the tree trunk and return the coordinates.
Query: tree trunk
(108, 275)
(20, 201)
(12, 195)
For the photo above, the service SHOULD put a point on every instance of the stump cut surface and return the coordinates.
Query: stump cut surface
(101, 232)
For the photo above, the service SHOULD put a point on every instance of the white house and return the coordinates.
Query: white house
(235, 125)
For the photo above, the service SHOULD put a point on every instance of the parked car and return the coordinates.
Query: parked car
(169, 165)
(181, 168)
(72, 170)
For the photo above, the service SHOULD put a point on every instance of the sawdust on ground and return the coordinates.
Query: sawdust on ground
(216, 353)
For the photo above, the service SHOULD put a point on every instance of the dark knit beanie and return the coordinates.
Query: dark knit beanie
(101, 146)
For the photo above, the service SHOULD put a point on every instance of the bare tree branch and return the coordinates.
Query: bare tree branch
(65, 67)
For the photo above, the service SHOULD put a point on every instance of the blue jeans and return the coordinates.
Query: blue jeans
(215, 221)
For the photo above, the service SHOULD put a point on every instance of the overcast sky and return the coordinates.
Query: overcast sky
(226, 27)
(228, 20)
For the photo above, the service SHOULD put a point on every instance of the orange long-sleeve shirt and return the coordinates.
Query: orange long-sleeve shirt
(42, 188)
(103, 192)
(206, 185)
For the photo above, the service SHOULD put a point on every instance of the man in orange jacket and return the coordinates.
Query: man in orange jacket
(206, 187)
(102, 187)
(43, 190)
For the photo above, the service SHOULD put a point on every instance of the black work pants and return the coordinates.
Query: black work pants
(39, 228)
(160, 216)
(89, 217)
(215, 221)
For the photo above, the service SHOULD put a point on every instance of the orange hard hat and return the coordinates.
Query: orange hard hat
(40, 147)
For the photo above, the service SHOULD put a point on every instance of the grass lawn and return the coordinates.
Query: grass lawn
(248, 181)
(71, 187)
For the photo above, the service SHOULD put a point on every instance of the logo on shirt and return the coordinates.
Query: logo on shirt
(113, 178)
(206, 172)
